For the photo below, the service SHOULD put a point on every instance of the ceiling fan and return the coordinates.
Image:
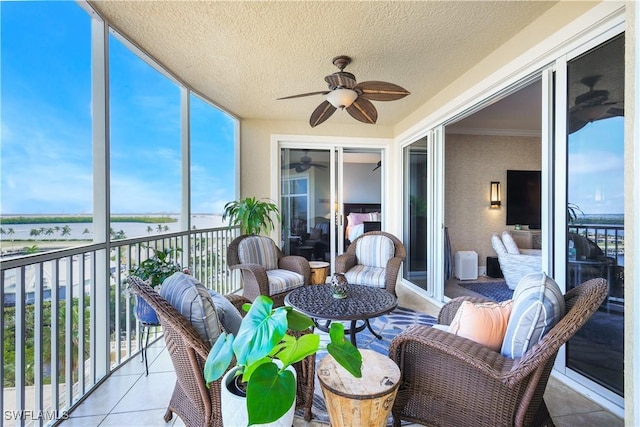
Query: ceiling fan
(345, 92)
(304, 164)
(592, 105)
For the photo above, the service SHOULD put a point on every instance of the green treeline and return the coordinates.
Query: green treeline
(81, 219)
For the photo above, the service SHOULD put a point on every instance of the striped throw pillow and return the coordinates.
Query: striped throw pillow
(258, 250)
(194, 302)
(538, 304)
(374, 251)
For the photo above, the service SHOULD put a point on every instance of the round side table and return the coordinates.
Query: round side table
(319, 272)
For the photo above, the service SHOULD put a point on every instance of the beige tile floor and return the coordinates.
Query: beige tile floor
(130, 398)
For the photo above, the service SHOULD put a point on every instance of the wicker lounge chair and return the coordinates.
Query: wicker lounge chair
(448, 380)
(265, 270)
(192, 401)
(384, 276)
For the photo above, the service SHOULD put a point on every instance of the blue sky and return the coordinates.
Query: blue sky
(596, 167)
(46, 123)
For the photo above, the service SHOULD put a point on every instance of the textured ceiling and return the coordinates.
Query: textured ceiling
(243, 55)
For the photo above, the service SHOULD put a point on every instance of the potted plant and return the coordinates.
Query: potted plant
(251, 214)
(264, 353)
(154, 270)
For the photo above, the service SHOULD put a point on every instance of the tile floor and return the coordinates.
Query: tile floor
(130, 398)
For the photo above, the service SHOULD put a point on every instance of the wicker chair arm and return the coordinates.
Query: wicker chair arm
(344, 262)
(254, 276)
(296, 263)
(449, 310)
(454, 351)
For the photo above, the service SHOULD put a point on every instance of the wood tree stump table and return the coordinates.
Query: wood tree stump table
(365, 401)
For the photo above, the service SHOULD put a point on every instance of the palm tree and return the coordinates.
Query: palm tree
(34, 232)
(159, 228)
(66, 230)
(31, 249)
(86, 231)
(149, 229)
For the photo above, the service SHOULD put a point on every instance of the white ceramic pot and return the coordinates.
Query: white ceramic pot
(234, 408)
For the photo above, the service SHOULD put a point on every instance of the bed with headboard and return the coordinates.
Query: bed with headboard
(360, 218)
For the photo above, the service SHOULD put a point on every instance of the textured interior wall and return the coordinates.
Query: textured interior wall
(471, 163)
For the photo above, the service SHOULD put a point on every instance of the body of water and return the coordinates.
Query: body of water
(84, 230)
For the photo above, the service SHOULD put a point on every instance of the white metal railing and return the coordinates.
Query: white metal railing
(45, 347)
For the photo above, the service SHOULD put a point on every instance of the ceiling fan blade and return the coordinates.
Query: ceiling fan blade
(363, 110)
(341, 79)
(317, 165)
(291, 165)
(381, 91)
(321, 113)
(321, 92)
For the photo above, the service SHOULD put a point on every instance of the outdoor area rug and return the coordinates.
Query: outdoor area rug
(388, 326)
(497, 291)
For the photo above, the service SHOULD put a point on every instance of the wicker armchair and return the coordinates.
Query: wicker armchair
(349, 264)
(192, 401)
(448, 380)
(260, 278)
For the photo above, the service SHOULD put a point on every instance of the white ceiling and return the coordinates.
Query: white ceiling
(243, 55)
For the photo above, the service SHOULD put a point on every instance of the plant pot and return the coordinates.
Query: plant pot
(144, 312)
(234, 408)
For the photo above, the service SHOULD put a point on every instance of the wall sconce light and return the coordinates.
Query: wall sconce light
(495, 195)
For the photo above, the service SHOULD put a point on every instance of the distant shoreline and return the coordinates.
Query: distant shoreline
(11, 220)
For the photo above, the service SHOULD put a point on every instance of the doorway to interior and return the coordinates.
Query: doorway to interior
(325, 195)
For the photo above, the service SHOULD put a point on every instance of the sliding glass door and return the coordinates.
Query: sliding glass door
(595, 209)
(319, 189)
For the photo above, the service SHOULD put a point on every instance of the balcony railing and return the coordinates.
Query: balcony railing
(608, 237)
(68, 320)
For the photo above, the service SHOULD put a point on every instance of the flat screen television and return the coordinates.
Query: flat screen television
(523, 198)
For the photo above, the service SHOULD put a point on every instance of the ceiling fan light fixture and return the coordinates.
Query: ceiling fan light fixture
(342, 98)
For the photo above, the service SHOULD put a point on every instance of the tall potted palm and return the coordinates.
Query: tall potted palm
(251, 214)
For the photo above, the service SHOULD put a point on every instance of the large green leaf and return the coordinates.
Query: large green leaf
(298, 321)
(293, 350)
(260, 331)
(270, 394)
(219, 358)
(345, 353)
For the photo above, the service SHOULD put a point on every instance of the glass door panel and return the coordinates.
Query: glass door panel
(595, 195)
(415, 228)
(305, 202)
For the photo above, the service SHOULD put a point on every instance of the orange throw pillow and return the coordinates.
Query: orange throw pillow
(484, 323)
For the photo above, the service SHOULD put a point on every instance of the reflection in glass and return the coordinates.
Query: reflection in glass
(595, 192)
(415, 228)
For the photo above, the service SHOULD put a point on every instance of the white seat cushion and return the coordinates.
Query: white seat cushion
(364, 275)
(283, 280)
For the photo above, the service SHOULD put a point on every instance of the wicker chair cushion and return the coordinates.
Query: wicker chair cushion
(258, 250)
(509, 243)
(538, 304)
(364, 275)
(193, 301)
(484, 323)
(228, 315)
(374, 251)
(283, 280)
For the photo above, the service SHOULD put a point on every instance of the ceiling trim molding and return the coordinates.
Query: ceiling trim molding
(493, 132)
